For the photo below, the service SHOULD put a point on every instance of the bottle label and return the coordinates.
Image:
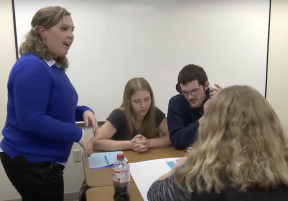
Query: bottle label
(120, 177)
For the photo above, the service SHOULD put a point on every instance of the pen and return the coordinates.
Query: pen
(106, 159)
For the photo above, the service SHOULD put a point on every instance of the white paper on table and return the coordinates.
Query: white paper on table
(145, 173)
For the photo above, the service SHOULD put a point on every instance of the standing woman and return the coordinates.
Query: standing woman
(42, 109)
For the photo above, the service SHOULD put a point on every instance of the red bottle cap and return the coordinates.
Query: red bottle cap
(120, 157)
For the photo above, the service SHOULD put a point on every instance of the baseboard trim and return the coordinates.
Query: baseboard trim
(67, 197)
(71, 196)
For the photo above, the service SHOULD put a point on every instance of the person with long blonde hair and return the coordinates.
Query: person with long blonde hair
(240, 153)
(137, 124)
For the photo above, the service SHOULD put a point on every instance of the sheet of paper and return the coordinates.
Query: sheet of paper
(103, 159)
(145, 173)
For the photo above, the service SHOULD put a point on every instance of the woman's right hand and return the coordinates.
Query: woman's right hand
(87, 147)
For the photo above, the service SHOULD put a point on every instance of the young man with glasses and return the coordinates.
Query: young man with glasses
(186, 109)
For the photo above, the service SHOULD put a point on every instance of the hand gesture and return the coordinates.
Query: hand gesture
(86, 145)
(89, 117)
(215, 90)
(139, 143)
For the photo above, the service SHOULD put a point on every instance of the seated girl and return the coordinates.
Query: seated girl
(241, 154)
(136, 125)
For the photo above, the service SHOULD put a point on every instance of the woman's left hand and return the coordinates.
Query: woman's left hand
(89, 117)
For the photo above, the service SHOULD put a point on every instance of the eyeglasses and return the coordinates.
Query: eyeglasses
(192, 92)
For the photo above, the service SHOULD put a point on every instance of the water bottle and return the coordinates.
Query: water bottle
(121, 179)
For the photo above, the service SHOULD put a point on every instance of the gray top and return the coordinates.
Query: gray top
(167, 190)
(118, 119)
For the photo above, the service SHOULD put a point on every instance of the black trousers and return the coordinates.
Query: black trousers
(35, 181)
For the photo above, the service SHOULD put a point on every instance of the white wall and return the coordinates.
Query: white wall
(8, 57)
(219, 35)
(277, 93)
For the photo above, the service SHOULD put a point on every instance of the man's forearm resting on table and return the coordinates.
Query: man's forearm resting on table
(184, 137)
(159, 142)
(111, 145)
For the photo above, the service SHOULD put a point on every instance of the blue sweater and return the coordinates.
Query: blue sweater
(41, 112)
(183, 121)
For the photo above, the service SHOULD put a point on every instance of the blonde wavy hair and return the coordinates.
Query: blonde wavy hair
(46, 17)
(241, 144)
(148, 127)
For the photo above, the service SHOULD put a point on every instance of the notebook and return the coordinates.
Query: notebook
(103, 159)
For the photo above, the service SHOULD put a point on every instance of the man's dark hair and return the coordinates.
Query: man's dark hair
(191, 73)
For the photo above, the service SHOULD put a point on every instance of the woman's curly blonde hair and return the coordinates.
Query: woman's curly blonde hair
(46, 17)
(241, 144)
